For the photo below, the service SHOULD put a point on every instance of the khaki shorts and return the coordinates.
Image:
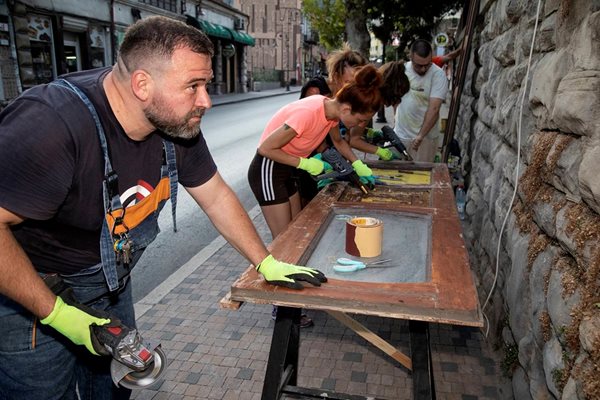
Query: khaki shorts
(426, 152)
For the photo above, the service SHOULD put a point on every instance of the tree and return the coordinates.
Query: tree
(328, 18)
(409, 19)
(356, 32)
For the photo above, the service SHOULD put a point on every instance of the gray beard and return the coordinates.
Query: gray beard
(173, 129)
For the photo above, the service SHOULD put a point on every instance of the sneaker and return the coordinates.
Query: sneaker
(305, 321)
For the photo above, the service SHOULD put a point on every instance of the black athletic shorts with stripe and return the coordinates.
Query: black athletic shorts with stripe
(270, 181)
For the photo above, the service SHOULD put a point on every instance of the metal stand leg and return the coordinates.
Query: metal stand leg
(282, 367)
(423, 384)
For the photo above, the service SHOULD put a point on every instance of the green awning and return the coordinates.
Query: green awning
(214, 29)
(242, 37)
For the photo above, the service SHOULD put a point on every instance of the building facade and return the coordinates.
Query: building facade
(286, 49)
(42, 39)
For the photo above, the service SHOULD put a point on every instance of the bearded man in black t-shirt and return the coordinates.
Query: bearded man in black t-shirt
(87, 163)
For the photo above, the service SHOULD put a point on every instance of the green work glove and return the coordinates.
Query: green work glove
(373, 135)
(364, 172)
(385, 154)
(288, 275)
(361, 169)
(312, 165)
(327, 167)
(73, 323)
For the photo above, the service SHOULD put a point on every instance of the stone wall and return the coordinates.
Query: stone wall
(544, 311)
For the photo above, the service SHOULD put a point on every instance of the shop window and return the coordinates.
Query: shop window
(4, 35)
(169, 5)
(40, 38)
(97, 47)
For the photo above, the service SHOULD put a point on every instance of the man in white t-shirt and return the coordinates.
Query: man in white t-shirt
(418, 112)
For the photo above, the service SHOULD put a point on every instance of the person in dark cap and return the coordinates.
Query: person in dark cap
(316, 85)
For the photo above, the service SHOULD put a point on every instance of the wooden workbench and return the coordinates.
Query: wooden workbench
(446, 294)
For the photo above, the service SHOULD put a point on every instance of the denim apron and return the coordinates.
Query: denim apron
(38, 362)
(138, 224)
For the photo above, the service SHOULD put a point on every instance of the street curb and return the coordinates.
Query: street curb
(159, 292)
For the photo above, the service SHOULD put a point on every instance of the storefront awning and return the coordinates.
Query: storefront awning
(242, 37)
(215, 30)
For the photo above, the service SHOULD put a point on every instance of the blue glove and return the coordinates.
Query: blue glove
(368, 180)
(324, 182)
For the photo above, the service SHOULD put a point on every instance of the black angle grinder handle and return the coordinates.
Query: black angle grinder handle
(390, 136)
(341, 169)
(56, 284)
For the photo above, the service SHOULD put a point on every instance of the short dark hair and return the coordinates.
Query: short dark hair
(156, 38)
(421, 47)
(317, 82)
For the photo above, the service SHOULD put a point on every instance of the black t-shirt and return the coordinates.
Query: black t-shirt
(51, 170)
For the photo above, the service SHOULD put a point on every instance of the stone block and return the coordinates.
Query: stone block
(565, 175)
(569, 392)
(520, 385)
(504, 48)
(589, 332)
(546, 35)
(553, 362)
(530, 357)
(545, 209)
(517, 290)
(560, 302)
(546, 77)
(550, 7)
(514, 9)
(562, 235)
(589, 179)
(585, 43)
(577, 103)
(540, 270)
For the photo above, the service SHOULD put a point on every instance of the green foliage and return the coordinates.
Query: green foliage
(559, 377)
(408, 19)
(511, 359)
(327, 17)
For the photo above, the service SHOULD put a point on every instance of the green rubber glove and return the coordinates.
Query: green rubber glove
(73, 323)
(328, 166)
(361, 168)
(288, 275)
(312, 165)
(373, 135)
(385, 154)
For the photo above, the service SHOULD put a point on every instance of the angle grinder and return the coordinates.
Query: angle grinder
(136, 363)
